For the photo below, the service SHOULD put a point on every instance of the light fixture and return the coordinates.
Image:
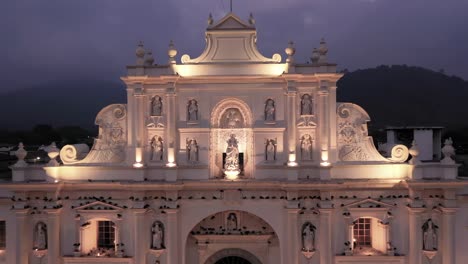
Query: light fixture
(231, 174)
(292, 164)
(325, 163)
(171, 164)
(137, 165)
(56, 181)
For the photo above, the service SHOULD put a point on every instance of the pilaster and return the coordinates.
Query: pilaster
(22, 240)
(170, 125)
(291, 93)
(172, 237)
(325, 235)
(53, 236)
(415, 235)
(324, 121)
(139, 122)
(140, 244)
(291, 256)
(448, 235)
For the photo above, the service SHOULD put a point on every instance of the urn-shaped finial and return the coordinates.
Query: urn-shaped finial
(149, 59)
(290, 51)
(171, 52)
(448, 151)
(21, 154)
(52, 152)
(315, 56)
(210, 19)
(140, 53)
(323, 50)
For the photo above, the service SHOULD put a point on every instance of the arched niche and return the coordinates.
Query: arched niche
(231, 116)
(232, 233)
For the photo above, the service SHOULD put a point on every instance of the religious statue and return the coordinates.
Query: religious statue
(157, 149)
(40, 236)
(306, 105)
(270, 150)
(308, 237)
(306, 147)
(157, 231)
(232, 154)
(429, 235)
(232, 118)
(231, 222)
(156, 106)
(192, 110)
(192, 150)
(270, 110)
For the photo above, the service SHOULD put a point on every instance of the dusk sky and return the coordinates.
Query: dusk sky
(95, 39)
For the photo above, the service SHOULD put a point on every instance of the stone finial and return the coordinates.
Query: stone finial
(172, 52)
(323, 50)
(448, 151)
(52, 152)
(251, 19)
(140, 54)
(315, 56)
(149, 59)
(21, 154)
(414, 152)
(210, 19)
(290, 51)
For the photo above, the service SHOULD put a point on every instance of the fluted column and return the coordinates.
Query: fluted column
(171, 125)
(448, 235)
(172, 237)
(292, 244)
(23, 241)
(324, 121)
(53, 236)
(140, 236)
(139, 122)
(131, 127)
(291, 93)
(415, 235)
(325, 234)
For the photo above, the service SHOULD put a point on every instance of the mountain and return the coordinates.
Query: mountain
(61, 103)
(401, 95)
(392, 95)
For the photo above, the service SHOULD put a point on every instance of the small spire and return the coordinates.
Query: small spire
(210, 19)
(251, 19)
(323, 50)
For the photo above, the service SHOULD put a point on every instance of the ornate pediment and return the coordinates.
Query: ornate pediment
(99, 206)
(368, 203)
(230, 21)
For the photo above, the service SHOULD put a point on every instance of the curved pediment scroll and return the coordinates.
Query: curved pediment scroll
(354, 143)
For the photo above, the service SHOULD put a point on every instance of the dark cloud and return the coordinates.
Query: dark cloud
(70, 39)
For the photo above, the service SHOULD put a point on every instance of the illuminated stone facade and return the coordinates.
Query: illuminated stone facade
(234, 156)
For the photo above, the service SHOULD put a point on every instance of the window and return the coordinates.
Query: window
(106, 234)
(362, 232)
(2, 234)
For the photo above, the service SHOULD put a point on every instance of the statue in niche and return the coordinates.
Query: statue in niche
(308, 237)
(232, 118)
(232, 154)
(306, 105)
(192, 110)
(429, 235)
(157, 149)
(192, 150)
(156, 106)
(270, 110)
(231, 222)
(306, 147)
(40, 236)
(157, 231)
(270, 150)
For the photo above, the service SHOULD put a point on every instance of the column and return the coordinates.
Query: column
(117, 228)
(131, 144)
(324, 124)
(291, 93)
(415, 235)
(172, 237)
(53, 236)
(333, 145)
(23, 240)
(325, 234)
(171, 125)
(448, 235)
(291, 244)
(140, 235)
(139, 122)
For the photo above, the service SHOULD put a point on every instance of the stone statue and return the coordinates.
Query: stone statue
(306, 105)
(192, 150)
(270, 110)
(231, 222)
(40, 236)
(157, 149)
(270, 150)
(156, 106)
(232, 154)
(308, 237)
(192, 110)
(232, 118)
(157, 231)
(306, 147)
(429, 235)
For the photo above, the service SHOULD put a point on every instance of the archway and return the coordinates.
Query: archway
(233, 256)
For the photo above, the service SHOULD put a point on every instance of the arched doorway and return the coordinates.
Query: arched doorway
(233, 260)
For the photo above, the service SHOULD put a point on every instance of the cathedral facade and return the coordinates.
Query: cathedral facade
(233, 157)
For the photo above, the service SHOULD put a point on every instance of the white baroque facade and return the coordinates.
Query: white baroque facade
(234, 157)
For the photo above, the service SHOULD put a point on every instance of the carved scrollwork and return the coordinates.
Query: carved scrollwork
(185, 58)
(119, 112)
(400, 153)
(276, 57)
